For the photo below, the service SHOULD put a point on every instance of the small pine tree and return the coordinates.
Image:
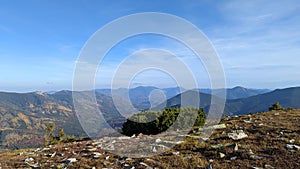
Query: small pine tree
(49, 135)
(61, 134)
(276, 106)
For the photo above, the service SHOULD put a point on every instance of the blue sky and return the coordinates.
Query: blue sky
(258, 42)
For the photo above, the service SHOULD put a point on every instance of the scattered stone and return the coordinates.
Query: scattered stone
(176, 153)
(237, 135)
(91, 149)
(97, 155)
(127, 166)
(133, 136)
(292, 141)
(158, 140)
(146, 165)
(106, 163)
(292, 146)
(45, 149)
(71, 160)
(214, 127)
(191, 136)
(256, 168)
(233, 158)
(204, 138)
(51, 155)
(28, 160)
(123, 138)
(35, 165)
(153, 161)
(128, 159)
(171, 143)
(210, 160)
(107, 157)
(222, 155)
(154, 150)
(218, 146)
(250, 152)
(236, 147)
(287, 131)
(141, 135)
(269, 166)
(247, 121)
(162, 146)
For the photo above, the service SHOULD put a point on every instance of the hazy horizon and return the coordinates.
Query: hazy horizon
(185, 89)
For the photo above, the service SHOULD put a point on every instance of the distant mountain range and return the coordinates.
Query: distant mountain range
(236, 92)
(139, 96)
(289, 97)
(28, 113)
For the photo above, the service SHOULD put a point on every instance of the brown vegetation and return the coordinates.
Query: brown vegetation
(265, 147)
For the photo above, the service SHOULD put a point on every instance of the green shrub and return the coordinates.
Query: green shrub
(276, 106)
(154, 122)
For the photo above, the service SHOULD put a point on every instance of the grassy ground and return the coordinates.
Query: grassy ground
(265, 147)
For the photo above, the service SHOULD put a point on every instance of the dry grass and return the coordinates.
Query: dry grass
(268, 133)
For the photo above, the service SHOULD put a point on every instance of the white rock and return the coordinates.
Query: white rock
(292, 141)
(45, 149)
(237, 135)
(158, 140)
(256, 157)
(123, 138)
(269, 166)
(144, 164)
(71, 160)
(218, 126)
(233, 158)
(154, 150)
(222, 155)
(35, 166)
(292, 146)
(28, 160)
(176, 153)
(97, 155)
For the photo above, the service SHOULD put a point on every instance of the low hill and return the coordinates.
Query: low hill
(288, 97)
(27, 114)
(266, 140)
(237, 92)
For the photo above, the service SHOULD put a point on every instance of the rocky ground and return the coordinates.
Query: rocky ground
(265, 140)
